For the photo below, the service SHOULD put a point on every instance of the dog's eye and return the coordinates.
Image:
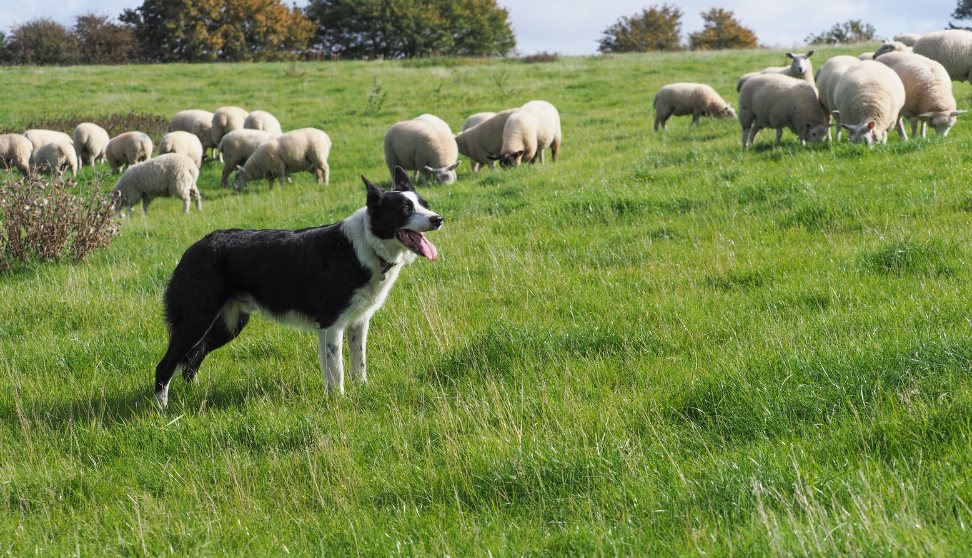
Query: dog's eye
(407, 209)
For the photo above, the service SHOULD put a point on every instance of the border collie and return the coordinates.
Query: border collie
(329, 279)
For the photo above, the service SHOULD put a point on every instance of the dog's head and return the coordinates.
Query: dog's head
(402, 215)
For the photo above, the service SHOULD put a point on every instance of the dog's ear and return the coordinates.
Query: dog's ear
(402, 183)
(374, 192)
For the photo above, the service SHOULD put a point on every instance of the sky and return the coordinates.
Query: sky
(574, 26)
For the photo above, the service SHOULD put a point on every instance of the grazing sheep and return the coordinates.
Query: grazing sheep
(298, 150)
(90, 141)
(800, 67)
(827, 78)
(869, 97)
(182, 142)
(170, 175)
(697, 99)
(436, 121)
(55, 157)
(908, 39)
(226, 120)
(196, 122)
(236, 147)
(951, 48)
(890, 46)
(928, 91)
(483, 142)
(15, 151)
(476, 119)
(39, 137)
(869, 55)
(423, 147)
(128, 148)
(528, 132)
(263, 120)
(779, 101)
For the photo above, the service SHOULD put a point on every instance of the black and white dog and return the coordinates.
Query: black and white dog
(330, 279)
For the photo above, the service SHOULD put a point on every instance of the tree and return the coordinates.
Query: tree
(963, 10)
(721, 31)
(43, 42)
(655, 28)
(851, 31)
(212, 30)
(102, 41)
(411, 28)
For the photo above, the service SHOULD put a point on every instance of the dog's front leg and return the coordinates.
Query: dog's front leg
(357, 346)
(329, 350)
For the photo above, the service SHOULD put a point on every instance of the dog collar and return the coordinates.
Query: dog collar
(385, 265)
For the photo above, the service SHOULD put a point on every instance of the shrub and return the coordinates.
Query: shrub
(851, 31)
(42, 42)
(41, 220)
(655, 28)
(721, 31)
(540, 58)
(154, 125)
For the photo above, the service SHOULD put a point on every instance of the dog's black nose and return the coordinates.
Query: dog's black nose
(436, 221)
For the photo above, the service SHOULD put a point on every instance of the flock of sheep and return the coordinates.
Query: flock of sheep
(869, 95)
(255, 146)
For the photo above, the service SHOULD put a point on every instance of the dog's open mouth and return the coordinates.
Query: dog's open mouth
(416, 242)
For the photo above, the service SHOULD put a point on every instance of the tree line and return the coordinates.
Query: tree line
(254, 30)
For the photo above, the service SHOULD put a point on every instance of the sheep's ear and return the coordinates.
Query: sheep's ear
(789, 55)
(846, 126)
(835, 113)
(957, 112)
(926, 115)
(454, 166)
(809, 54)
(518, 154)
(374, 192)
(402, 183)
(491, 158)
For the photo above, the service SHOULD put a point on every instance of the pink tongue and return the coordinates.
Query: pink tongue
(427, 248)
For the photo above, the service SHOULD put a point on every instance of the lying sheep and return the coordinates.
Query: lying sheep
(436, 121)
(779, 101)
(477, 118)
(15, 151)
(170, 175)
(262, 120)
(951, 48)
(226, 120)
(483, 142)
(196, 122)
(890, 46)
(800, 67)
(423, 147)
(908, 39)
(236, 147)
(182, 142)
(827, 78)
(39, 137)
(928, 91)
(90, 141)
(298, 150)
(128, 148)
(55, 157)
(528, 132)
(869, 98)
(697, 99)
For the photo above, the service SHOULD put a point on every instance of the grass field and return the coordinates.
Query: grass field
(660, 345)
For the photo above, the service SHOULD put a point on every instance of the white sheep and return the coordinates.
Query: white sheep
(170, 175)
(869, 55)
(928, 91)
(39, 137)
(528, 131)
(869, 98)
(890, 46)
(55, 157)
(477, 118)
(236, 147)
(483, 142)
(800, 67)
(304, 149)
(827, 78)
(263, 120)
(128, 148)
(423, 147)
(90, 141)
(15, 151)
(435, 120)
(226, 120)
(951, 48)
(182, 142)
(196, 122)
(697, 99)
(908, 39)
(779, 101)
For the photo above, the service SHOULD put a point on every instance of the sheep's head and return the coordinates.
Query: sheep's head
(724, 111)
(941, 121)
(866, 132)
(508, 160)
(240, 181)
(800, 63)
(816, 133)
(442, 175)
(889, 46)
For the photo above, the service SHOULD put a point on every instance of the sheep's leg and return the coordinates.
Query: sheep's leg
(492, 165)
(658, 121)
(900, 128)
(779, 136)
(539, 155)
(329, 352)
(924, 126)
(914, 126)
(185, 204)
(745, 136)
(326, 171)
(145, 204)
(695, 118)
(197, 197)
(555, 149)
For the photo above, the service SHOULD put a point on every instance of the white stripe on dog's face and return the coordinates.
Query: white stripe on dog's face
(422, 218)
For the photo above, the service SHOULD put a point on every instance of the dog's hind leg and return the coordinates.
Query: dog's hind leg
(226, 328)
(357, 347)
(184, 338)
(329, 351)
